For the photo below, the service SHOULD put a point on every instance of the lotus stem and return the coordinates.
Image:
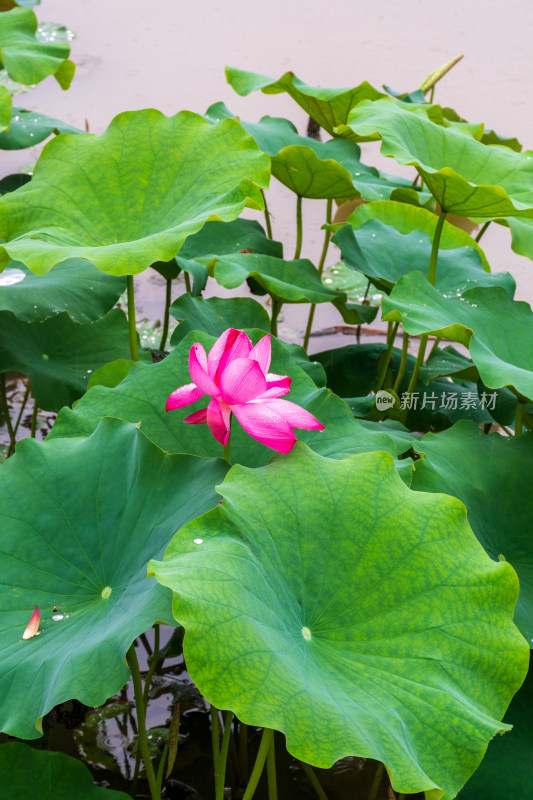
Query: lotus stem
(434, 347)
(384, 366)
(518, 418)
(243, 751)
(268, 223)
(264, 746)
(378, 777)
(33, 429)
(276, 308)
(161, 769)
(313, 780)
(221, 778)
(432, 273)
(215, 741)
(271, 771)
(5, 407)
(134, 350)
(187, 282)
(226, 449)
(483, 229)
(22, 407)
(299, 228)
(141, 722)
(403, 363)
(166, 318)
(153, 662)
(327, 237)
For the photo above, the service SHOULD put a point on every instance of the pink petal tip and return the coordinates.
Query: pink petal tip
(33, 624)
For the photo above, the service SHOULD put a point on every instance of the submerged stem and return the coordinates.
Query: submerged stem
(266, 741)
(134, 350)
(313, 780)
(299, 228)
(327, 237)
(141, 721)
(268, 223)
(166, 318)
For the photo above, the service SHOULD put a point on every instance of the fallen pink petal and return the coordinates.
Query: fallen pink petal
(33, 624)
(234, 374)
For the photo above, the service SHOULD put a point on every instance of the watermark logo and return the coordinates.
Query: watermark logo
(384, 400)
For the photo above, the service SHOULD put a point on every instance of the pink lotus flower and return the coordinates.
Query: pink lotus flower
(33, 625)
(235, 375)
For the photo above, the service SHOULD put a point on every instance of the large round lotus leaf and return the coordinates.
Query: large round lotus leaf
(27, 774)
(100, 508)
(496, 329)
(407, 218)
(5, 108)
(384, 254)
(142, 395)
(492, 476)
(388, 623)
(328, 107)
(216, 314)
(505, 772)
(28, 128)
(74, 286)
(465, 176)
(58, 355)
(131, 196)
(448, 361)
(27, 59)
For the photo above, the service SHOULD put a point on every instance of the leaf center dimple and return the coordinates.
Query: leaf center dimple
(306, 633)
(106, 592)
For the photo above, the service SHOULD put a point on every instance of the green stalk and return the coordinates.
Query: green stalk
(161, 769)
(432, 273)
(483, 229)
(153, 662)
(226, 447)
(141, 721)
(299, 228)
(382, 374)
(215, 741)
(327, 237)
(22, 407)
(221, 778)
(267, 216)
(518, 418)
(276, 308)
(134, 350)
(166, 318)
(243, 752)
(187, 280)
(435, 345)
(313, 780)
(34, 419)
(378, 777)
(264, 746)
(7, 415)
(403, 363)
(271, 771)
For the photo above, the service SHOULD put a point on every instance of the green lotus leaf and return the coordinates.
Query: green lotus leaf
(295, 281)
(27, 59)
(142, 395)
(407, 218)
(495, 328)
(27, 773)
(410, 658)
(5, 108)
(81, 546)
(352, 372)
(491, 475)
(328, 107)
(28, 128)
(491, 137)
(315, 169)
(131, 196)
(58, 355)
(216, 314)
(112, 373)
(402, 437)
(448, 361)
(74, 286)
(12, 182)
(505, 771)
(384, 254)
(465, 176)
